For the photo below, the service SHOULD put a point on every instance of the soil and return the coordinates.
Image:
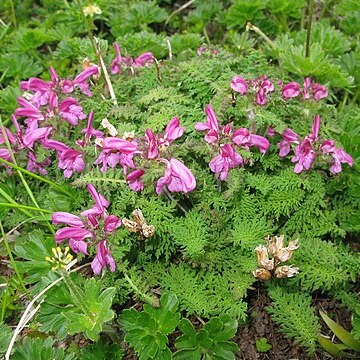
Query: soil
(260, 325)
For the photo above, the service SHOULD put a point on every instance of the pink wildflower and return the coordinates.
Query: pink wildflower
(102, 259)
(134, 180)
(211, 125)
(291, 90)
(239, 85)
(226, 160)
(177, 178)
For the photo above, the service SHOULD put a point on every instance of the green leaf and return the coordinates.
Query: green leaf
(35, 249)
(102, 351)
(95, 309)
(330, 347)
(341, 333)
(262, 345)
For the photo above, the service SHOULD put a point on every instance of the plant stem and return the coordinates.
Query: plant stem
(250, 26)
(18, 206)
(10, 200)
(343, 103)
(206, 36)
(144, 296)
(13, 15)
(106, 74)
(308, 34)
(12, 260)
(38, 177)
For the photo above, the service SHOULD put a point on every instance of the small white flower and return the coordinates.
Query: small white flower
(91, 9)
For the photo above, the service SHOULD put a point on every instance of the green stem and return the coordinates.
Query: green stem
(18, 206)
(13, 15)
(38, 177)
(308, 33)
(10, 200)
(142, 295)
(254, 28)
(12, 260)
(206, 36)
(77, 295)
(28, 190)
(343, 103)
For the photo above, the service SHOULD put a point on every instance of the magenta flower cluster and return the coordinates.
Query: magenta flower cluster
(147, 152)
(40, 107)
(91, 228)
(309, 148)
(262, 86)
(225, 140)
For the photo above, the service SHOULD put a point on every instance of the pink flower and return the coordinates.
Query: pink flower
(134, 180)
(111, 223)
(76, 233)
(338, 154)
(115, 143)
(36, 134)
(70, 110)
(262, 86)
(99, 209)
(319, 91)
(291, 90)
(107, 158)
(243, 137)
(33, 165)
(173, 130)
(226, 160)
(177, 178)
(69, 160)
(211, 125)
(143, 60)
(304, 156)
(239, 85)
(289, 137)
(28, 109)
(89, 131)
(68, 86)
(102, 259)
(115, 65)
(153, 150)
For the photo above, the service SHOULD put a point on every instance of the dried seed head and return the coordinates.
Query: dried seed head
(130, 225)
(109, 127)
(286, 271)
(139, 224)
(263, 258)
(139, 217)
(148, 230)
(262, 274)
(275, 244)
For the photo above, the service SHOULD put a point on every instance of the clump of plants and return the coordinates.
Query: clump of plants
(143, 198)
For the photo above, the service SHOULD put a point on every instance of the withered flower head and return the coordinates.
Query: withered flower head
(263, 258)
(262, 274)
(286, 271)
(139, 224)
(275, 244)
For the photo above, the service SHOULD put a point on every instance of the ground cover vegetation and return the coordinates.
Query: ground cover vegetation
(174, 174)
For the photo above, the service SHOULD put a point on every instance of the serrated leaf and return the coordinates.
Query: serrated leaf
(35, 249)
